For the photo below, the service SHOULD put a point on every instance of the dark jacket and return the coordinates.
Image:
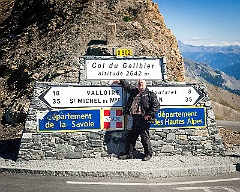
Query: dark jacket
(148, 100)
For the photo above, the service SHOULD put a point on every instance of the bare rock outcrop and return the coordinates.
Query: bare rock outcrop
(43, 40)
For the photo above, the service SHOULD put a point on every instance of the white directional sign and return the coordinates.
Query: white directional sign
(176, 95)
(70, 97)
(131, 68)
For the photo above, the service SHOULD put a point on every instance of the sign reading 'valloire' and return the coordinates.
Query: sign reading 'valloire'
(71, 97)
(135, 68)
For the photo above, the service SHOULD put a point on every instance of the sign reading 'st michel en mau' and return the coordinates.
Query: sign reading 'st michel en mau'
(82, 96)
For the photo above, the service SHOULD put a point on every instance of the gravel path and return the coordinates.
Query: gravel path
(165, 166)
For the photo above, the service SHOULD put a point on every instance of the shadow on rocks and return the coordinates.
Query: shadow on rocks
(238, 167)
(9, 148)
(237, 164)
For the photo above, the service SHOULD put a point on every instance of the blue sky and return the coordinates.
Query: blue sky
(203, 22)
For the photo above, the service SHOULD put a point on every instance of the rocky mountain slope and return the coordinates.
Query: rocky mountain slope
(202, 71)
(42, 40)
(226, 105)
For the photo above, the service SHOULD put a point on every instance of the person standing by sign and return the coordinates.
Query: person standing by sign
(142, 105)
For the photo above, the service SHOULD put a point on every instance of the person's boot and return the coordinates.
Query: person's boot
(147, 149)
(129, 152)
(147, 157)
(126, 156)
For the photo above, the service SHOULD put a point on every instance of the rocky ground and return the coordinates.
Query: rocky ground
(230, 138)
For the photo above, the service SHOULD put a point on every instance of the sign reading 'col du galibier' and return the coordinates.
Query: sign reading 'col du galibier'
(122, 68)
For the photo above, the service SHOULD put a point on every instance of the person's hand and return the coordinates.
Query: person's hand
(116, 81)
(147, 117)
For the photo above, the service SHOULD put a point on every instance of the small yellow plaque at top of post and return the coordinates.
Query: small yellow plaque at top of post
(123, 52)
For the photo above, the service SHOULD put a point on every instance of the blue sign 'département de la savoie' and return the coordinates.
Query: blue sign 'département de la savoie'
(180, 117)
(70, 120)
(79, 120)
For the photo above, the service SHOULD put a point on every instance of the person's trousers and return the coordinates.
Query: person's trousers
(140, 127)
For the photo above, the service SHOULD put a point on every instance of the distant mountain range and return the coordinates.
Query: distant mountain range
(224, 58)
(201, 72)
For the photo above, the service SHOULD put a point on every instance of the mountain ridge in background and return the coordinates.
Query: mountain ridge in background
(226, 105)
(204, 73)
(223, 89)
(224, 58)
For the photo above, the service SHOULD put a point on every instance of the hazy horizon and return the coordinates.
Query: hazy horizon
(207, 23)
